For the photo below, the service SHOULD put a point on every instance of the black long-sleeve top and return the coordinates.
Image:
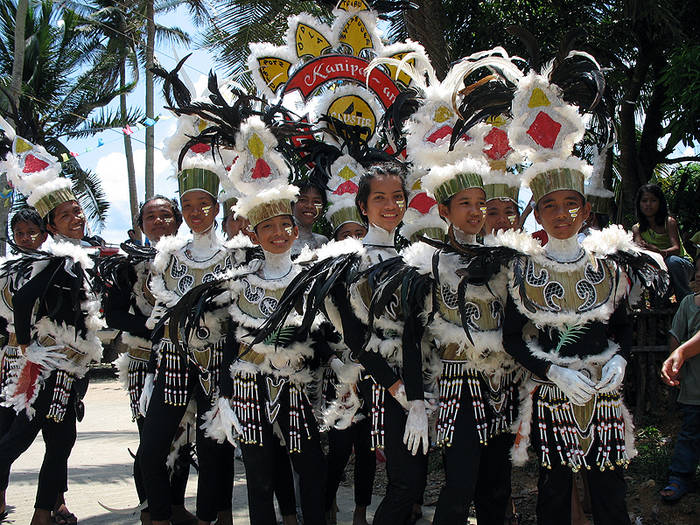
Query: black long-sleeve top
(591, 341)
(121, 311)
(59, 294)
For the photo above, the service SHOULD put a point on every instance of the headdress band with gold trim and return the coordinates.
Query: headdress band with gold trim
(345, 215)
(556, 179)
(268, 210)
(51, 200)
(461, 181)
(191, 179)
(501, 191)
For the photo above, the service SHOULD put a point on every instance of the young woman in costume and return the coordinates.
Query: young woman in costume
(179, 377)
(29, 233)
(128, 305)
(57, 340)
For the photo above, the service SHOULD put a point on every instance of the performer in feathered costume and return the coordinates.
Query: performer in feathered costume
(179, 266)
(444, 291)
(29, 233)
(56, 318)
(127, 305)
(268, 399)
(565, 319)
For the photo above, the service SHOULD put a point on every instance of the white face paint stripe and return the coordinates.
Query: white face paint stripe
(574, 212)
(401, 204)
(483, 210)
(289, 230)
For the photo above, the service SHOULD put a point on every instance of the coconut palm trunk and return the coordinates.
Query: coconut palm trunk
(150, 132)
(129, 152)
(15, 91)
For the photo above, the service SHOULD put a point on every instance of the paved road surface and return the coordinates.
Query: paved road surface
(100, 468)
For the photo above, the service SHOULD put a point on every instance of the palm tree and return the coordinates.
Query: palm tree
(62, 87)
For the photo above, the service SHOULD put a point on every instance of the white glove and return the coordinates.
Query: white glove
(613, 374)
(146, 394)
(577, 387)
(400, 396)
(416, 427)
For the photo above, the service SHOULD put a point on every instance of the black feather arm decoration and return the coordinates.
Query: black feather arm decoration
(186, 317)
(117, 270)
(645, 269)
(307, 293)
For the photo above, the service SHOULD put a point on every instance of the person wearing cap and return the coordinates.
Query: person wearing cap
(182, 377)
(128, 304)
(57, 340)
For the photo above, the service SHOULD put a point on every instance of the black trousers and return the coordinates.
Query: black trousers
(261, 465)
(215, 483)
(7, 417)
(58, 437)
(474, 473)
(406, 473)
(340, 444)
(607, 490)
(284, 481)
(178, 479)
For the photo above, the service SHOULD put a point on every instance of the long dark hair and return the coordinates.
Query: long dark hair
(384, 169)
(661, 213)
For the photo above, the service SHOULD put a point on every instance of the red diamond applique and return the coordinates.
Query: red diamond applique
(261, 169)
(544, 130)
(499, 144)
(346, 187)
(200, 148)
(422, 203)
(33, 164)
(441, 133)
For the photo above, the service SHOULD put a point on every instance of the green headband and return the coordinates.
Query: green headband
(461, 181)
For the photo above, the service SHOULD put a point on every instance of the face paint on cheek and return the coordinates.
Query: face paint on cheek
(34, 236)
(206, 210)
(401, 204)
(574, 212)
(483, 210)
(512, 218)
(318, 207)
(289, 230)
(168, 220)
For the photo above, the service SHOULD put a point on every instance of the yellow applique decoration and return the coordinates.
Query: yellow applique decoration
(310, 42)
(496, 121)
(256, 146)
(22, 145)
(346, 173)
(201, 124)
(416, 185)
(354, 111)
(538, 99)
(353, 6)
(442, 114)
(355, 35)
(274, 71)
(403, 77)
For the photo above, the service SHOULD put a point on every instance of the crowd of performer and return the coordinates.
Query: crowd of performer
(467, 335)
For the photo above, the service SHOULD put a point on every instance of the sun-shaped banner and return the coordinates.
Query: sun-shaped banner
(330, 61)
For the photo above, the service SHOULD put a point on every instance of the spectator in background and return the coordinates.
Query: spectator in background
(686, 363)
(133, 238)
(307, 210)
(657, 231)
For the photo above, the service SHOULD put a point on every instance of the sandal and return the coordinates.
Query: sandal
(675, 490)
(63, 516)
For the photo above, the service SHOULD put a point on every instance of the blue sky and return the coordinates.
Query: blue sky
(109, 161)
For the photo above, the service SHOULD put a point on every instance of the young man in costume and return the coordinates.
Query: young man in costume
(566, 318)
(57, 340)
(128, 305)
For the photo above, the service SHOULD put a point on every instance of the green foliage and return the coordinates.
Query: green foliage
(654, 454)
(681, 78)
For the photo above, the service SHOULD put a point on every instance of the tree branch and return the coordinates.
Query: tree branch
(692, 158)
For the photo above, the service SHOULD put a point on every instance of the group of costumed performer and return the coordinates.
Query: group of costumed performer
(52, 310)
